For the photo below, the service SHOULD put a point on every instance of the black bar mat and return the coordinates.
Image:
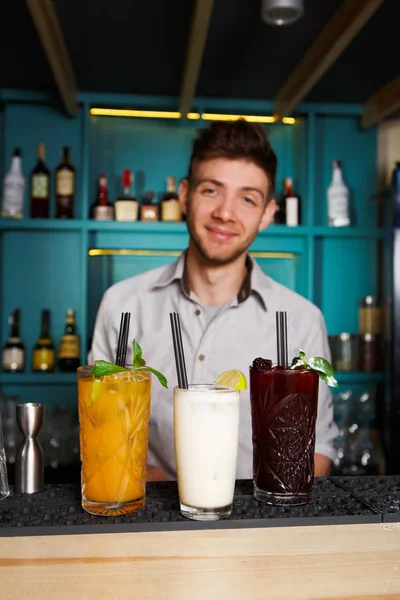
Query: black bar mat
(381, 494)
(57, 510)
(380, 484)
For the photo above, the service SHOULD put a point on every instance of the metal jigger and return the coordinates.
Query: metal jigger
(29, 461)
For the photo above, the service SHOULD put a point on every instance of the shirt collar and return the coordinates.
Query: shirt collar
(172, 272)
(255, 280)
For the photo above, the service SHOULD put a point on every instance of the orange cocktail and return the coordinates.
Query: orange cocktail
(113, 414)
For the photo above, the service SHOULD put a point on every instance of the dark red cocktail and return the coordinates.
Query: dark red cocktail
(284, 406)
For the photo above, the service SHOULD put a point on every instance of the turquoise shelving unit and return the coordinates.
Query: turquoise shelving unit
(359, 378)
(161, 227)
(46, 264)
(37, 378)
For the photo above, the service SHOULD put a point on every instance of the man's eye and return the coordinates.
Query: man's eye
(248, 200)
(209, 191)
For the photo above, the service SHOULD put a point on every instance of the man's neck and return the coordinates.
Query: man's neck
(214, 285)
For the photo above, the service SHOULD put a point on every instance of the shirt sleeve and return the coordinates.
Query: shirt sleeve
(152, 460)
(104, 337)
(326, 429)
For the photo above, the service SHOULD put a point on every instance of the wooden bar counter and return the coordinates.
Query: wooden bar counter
(269, 554)
(332, 561)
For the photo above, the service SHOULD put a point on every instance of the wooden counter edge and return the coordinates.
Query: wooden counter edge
(282, 541)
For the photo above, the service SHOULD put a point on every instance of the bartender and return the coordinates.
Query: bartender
(226, 303)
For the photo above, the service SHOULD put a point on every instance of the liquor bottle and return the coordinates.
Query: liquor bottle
(65, 187)
(69, 352)
(149, 210)
(13, 353)
(170, 208)
(289, 205)
(43, 352)
(280, 216)
(102, 209)
(395, 188)
(40, 187)
(126, 206)
(13, 189)
(338, 199)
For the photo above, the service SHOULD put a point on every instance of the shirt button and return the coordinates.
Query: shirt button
(197, 312)
(201, 357)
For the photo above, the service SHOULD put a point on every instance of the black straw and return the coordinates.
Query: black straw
(123, 339)
(282, 339)
(119, 343)
(178, 351)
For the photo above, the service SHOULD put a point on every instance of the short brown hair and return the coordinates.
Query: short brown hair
(235, 140)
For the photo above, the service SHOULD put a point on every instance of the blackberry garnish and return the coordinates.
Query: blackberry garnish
(262, 364)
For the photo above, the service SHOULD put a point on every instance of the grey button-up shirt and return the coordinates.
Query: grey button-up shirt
(241, 330)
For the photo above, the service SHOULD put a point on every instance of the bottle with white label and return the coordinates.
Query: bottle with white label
(65, 186)
(170, 207)
(102, 210)
(43, 353)
(13, 352)
(12, 206)
(149, 210)
(291, 203)
(338, 199)
(126, 206)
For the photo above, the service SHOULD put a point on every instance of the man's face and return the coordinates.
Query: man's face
(225, 207)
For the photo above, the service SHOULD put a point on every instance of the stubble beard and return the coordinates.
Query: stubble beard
(213, 259)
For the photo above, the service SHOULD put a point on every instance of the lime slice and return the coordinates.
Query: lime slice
(232, 379)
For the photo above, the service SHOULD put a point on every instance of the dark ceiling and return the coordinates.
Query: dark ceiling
(138, 47)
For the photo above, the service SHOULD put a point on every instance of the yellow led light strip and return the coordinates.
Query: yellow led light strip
(251, 118)
(272, 254)
(149, 114)
(126, 252)
(163, 114)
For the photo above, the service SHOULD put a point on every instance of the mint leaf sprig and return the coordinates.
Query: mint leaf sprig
(139, 364)
(318, 365)
(102, 367)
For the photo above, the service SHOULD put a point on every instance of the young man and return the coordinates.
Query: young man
(226, 303)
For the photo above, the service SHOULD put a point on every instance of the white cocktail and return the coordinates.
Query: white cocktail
(206, 424)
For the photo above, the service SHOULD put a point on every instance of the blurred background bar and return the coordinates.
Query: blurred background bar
(96, 136)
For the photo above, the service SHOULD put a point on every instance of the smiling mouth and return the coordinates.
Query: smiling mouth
(220, 234)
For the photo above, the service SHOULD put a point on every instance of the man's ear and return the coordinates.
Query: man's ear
(268, 215)
(183, 193)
